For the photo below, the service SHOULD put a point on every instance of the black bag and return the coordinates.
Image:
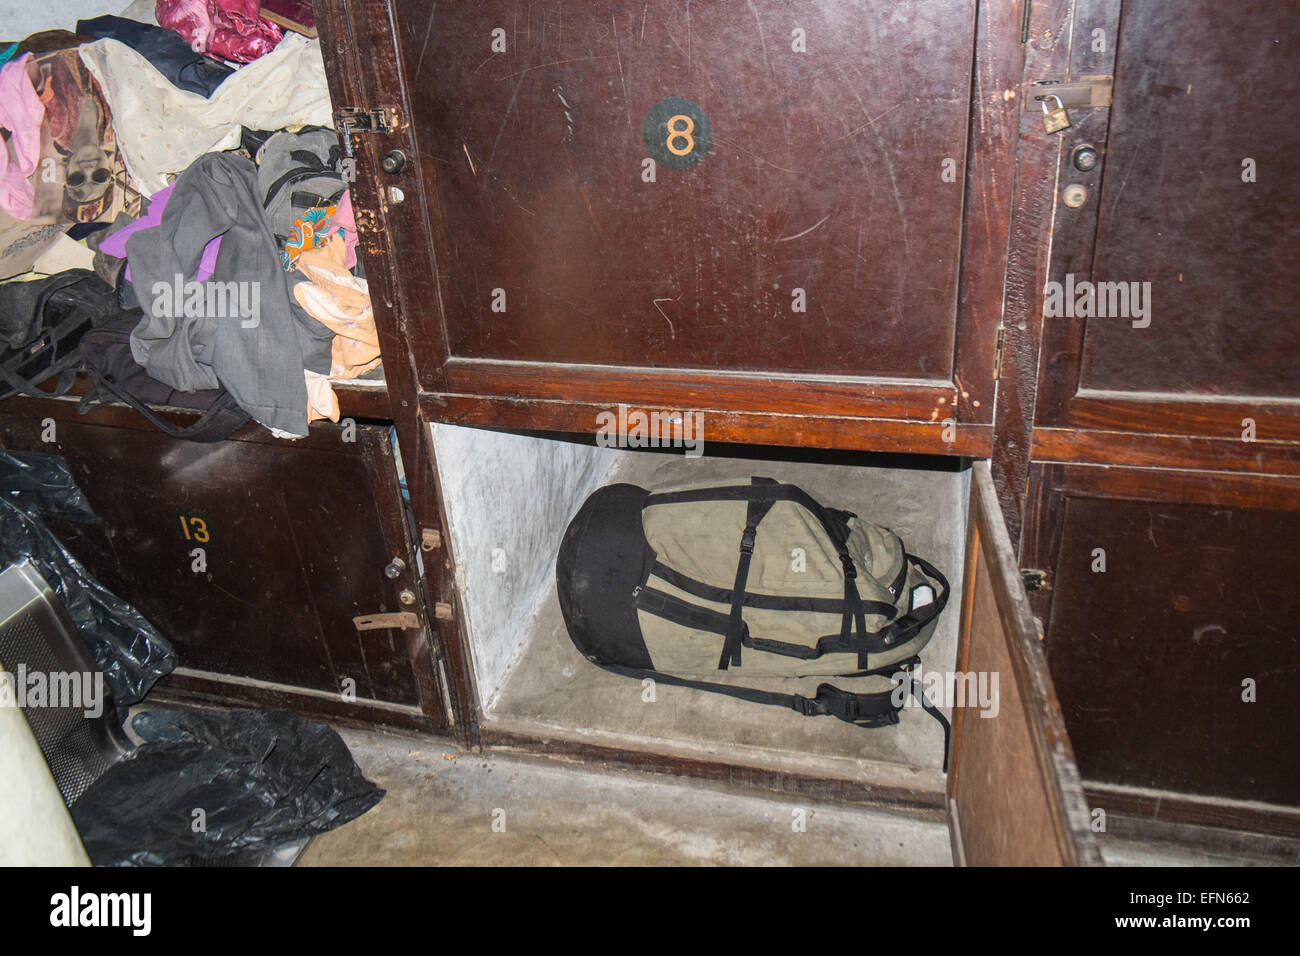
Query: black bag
(106, 352)
(42, 322)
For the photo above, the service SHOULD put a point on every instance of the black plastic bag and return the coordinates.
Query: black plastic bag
(127, 648)
(262, 779)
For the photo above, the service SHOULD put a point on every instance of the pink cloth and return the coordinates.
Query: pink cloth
(345, 222)
(231, 29)
(115, 245)
(21, 112)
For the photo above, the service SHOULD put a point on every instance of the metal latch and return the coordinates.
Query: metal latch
(353, 119)
(375, 622)
(1035, 579)
(1081, 93)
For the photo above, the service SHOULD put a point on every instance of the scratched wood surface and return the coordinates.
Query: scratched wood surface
(1149, 650)
(824, 173)
(1171, 205)
(295, 541)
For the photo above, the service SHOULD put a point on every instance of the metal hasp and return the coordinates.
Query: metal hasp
(1086, 91)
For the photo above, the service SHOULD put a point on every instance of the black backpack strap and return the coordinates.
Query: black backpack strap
(672, 608)
(25, 387)
(905, 628)
(770, 602)
(919, 693)
(876, 709)
(219, 421)
(834, 523)
(756, 512)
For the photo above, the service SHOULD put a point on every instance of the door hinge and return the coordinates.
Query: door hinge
(997, 355)
(1081, 93)
(1036, 579)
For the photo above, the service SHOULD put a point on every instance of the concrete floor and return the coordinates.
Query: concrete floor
(441, 805)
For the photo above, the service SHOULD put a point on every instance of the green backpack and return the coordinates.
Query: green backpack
(756, 579)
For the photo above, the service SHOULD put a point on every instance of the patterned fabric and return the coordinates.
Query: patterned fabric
(162, 130)
(53, 105)
(309, 231)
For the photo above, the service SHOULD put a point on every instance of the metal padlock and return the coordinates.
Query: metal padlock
(1056, 119)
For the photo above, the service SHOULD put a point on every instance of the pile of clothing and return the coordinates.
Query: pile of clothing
(195, 172)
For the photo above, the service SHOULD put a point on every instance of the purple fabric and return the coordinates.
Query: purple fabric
(115, 245)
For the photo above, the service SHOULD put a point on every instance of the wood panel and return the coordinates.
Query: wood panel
(1058, 47)
(635, 287)
(1013, 788)
(538, 151)
(1170, 206)
(297, 539)
(357, 38)
(1152, 650)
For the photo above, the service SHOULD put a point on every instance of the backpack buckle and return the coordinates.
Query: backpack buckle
(837, 703)
(809, 706)
(747, 540)
(847, 706)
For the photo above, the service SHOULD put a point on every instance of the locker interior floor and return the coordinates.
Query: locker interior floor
(551, 686)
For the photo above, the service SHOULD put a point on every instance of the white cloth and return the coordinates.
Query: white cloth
(62, 255)
(161, 130)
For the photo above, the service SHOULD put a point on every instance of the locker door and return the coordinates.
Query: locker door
(1014, 794)
(790, 217)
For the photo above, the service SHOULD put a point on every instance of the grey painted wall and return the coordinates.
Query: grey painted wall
(509, 499)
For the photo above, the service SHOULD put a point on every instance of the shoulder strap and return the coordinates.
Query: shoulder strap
(863, 710)
(24, 387)
(219, 421)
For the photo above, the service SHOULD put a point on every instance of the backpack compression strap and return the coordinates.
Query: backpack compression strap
(897, 632)
(768, 491)
(67, 378)
(754, 513)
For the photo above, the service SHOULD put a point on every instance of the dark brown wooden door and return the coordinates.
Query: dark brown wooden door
(824, 270)
(295, 540)
(1192, 205)
(1173, 636)
(1014, 795)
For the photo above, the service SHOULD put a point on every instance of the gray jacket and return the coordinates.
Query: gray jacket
(242, 328)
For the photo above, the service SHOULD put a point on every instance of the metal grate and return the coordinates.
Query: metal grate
(36, 638)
